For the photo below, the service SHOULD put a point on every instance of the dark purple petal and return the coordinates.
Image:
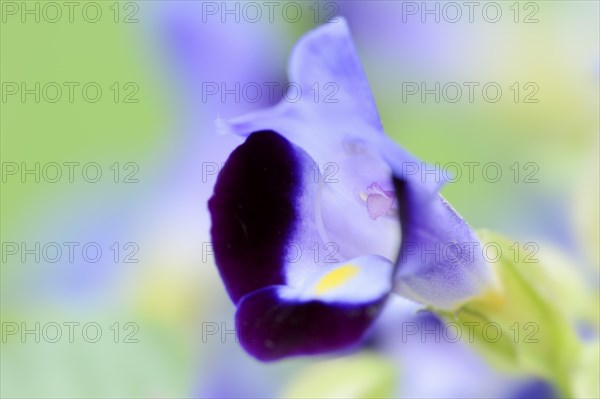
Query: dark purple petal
(253, 212)
(270, 327)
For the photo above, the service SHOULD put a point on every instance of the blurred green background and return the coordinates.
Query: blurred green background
(160, 52)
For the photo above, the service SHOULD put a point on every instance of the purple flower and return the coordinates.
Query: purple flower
(322, 175)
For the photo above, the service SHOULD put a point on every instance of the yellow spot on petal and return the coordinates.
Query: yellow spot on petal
(336, 278)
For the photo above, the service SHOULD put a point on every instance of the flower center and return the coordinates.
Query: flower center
(379, 202)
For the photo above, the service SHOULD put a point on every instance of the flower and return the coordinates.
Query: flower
(323, 174)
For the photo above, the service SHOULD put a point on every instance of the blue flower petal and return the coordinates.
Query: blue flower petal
(441, 263)
(327, 56)
(362, 210)
(341, 114)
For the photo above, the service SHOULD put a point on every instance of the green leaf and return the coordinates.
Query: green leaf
(524, 325)
(586, 383)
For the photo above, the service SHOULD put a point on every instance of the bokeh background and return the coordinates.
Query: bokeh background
(158, 132)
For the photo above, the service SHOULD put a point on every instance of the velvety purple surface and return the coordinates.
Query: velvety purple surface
(253, 213)
(271, 328)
